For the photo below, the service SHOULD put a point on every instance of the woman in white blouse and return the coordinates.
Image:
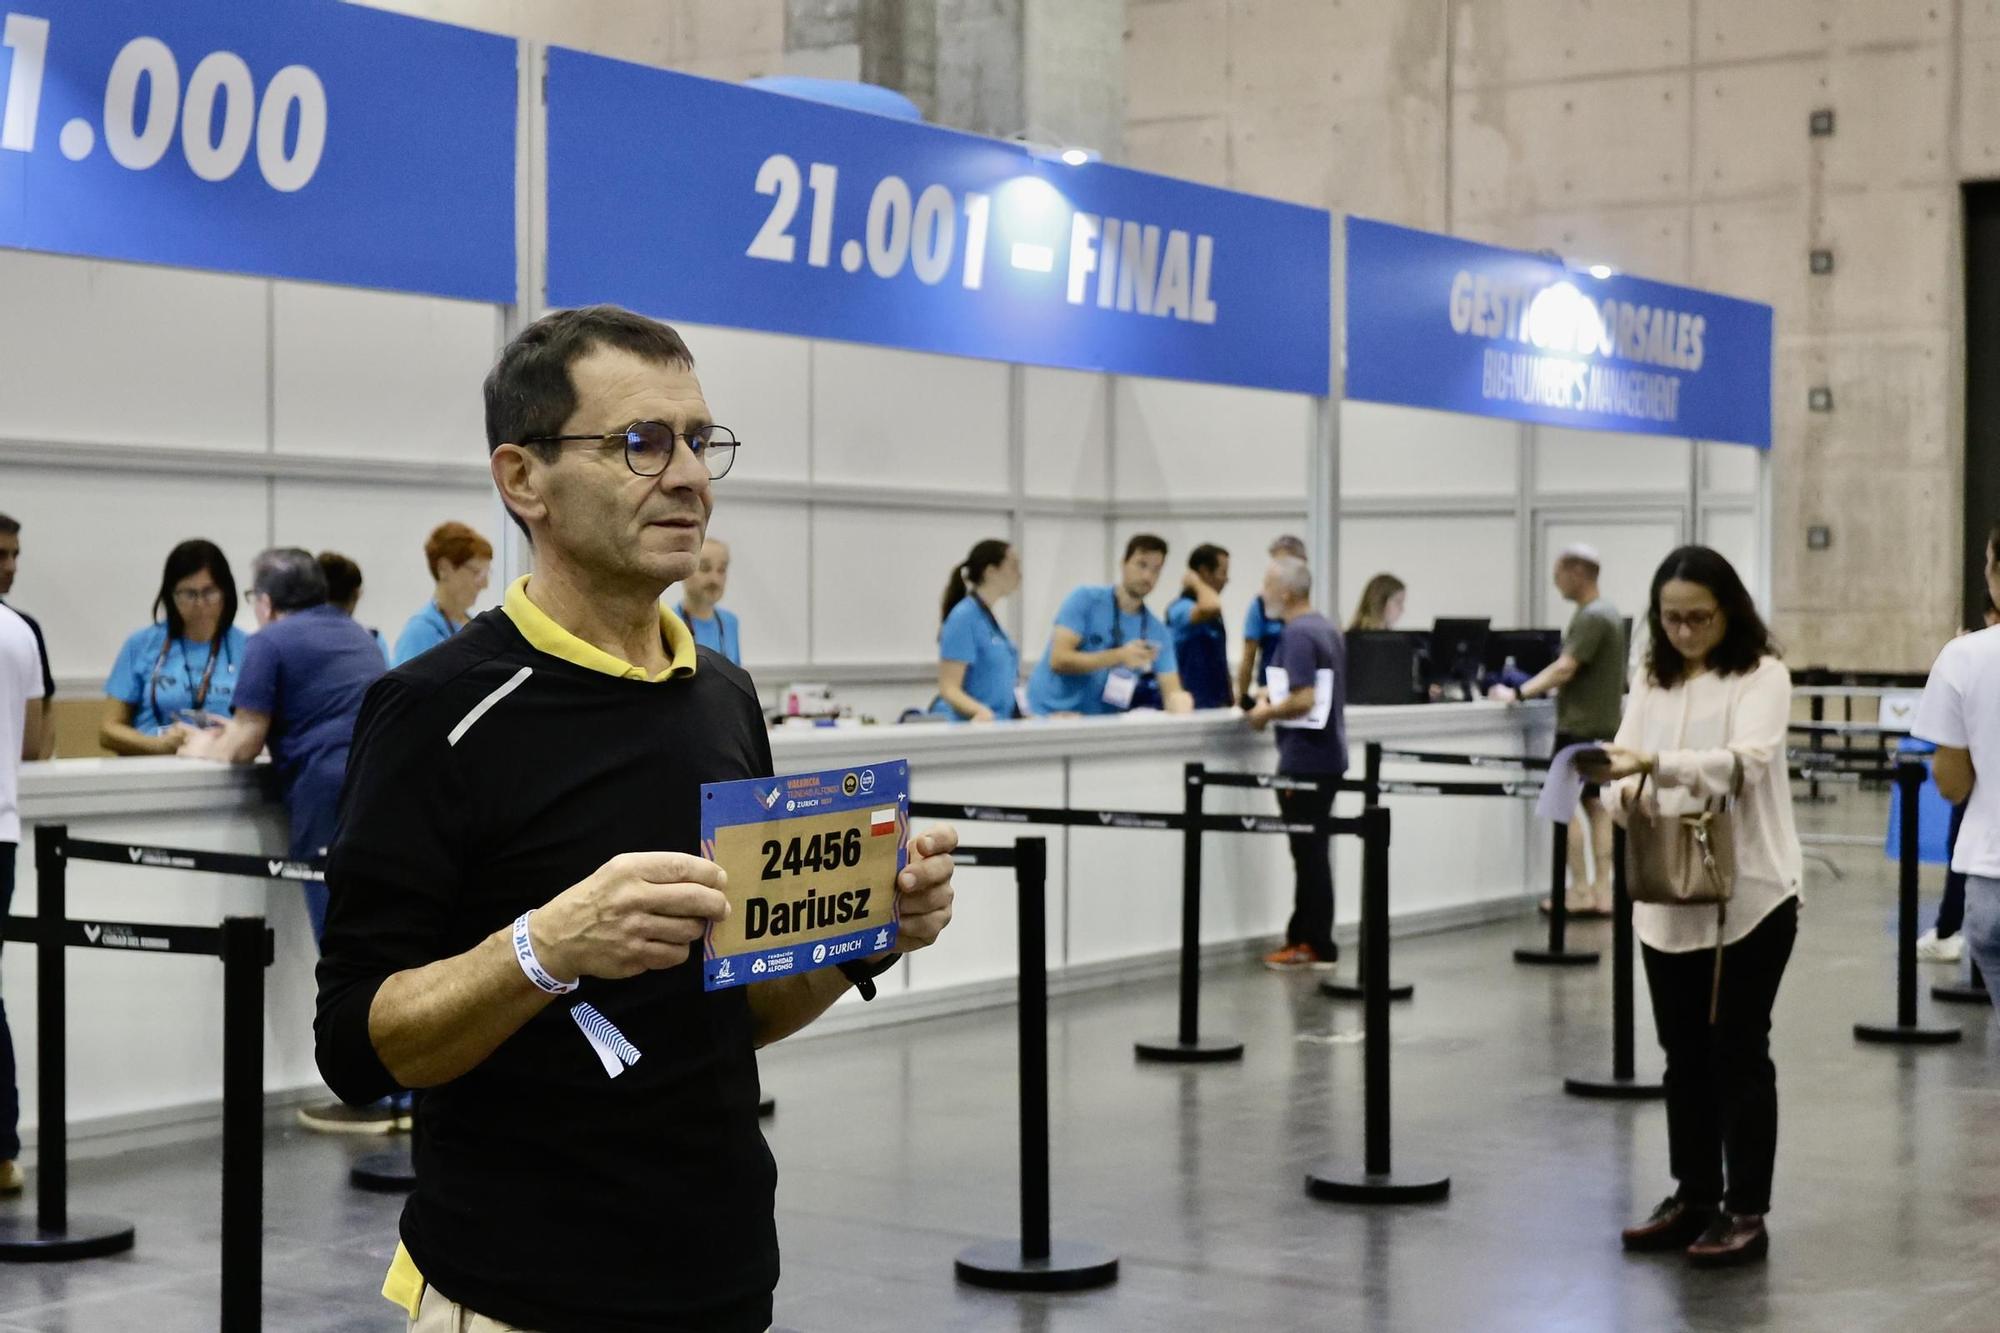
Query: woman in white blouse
(1711, 697)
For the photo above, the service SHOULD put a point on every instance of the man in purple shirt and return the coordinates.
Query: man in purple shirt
(1303, 701)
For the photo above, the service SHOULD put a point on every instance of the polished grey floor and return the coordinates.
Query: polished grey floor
(898, 1148)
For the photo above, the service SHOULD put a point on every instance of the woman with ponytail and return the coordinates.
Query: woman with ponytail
(978, 665)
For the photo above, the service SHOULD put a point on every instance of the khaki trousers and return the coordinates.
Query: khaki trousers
(438, 1313)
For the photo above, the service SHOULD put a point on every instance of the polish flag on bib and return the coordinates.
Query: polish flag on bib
(881, 822)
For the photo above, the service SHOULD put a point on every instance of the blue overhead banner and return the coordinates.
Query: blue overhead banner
(706, 202)
(1437, 322)
(285, 138)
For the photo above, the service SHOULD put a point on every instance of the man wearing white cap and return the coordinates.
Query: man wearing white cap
(1588, 680)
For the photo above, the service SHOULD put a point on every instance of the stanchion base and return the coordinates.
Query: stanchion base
(1615, 1089)
(1556, 957)
(1917, 1034)
(1071, 1266)
(768, 1107)
(1352, 990)
(384, 1173)
(1201, 1051)
(22, 1240)
(1959, 993)
(1337, 1184)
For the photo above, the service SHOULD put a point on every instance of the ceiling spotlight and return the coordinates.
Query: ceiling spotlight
(1076, 157)
(1601, 270)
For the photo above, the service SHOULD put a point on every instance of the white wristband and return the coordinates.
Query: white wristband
(524, 953)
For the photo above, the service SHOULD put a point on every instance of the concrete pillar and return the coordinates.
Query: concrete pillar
(1048, 70)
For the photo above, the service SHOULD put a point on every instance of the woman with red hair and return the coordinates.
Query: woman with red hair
(460, 560)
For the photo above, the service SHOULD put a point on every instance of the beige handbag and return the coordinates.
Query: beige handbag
(1686, 861)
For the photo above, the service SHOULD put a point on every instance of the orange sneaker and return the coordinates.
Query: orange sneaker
(1291, 956)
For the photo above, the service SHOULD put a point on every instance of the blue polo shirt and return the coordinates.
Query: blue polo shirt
(1202, 649)
(309, 672)
(972, 635)
(161, 679)
(1092, 613)
(422, 632)
(722, 635)
(1262, 631)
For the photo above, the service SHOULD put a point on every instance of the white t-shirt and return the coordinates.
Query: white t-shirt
(20, 684)
(1961, 709)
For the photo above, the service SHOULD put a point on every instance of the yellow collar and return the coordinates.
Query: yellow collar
(546, 635)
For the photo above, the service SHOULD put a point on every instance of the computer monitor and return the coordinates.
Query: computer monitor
(1457, 649)
(1383, 667)
(1531, 649)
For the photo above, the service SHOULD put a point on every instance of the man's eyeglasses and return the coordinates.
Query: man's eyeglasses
(1694, 620)
(196, 596)
(649, 446)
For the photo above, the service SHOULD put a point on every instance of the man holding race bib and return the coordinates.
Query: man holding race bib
(521, 819)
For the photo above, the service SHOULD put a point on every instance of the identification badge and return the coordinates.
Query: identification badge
(1119, 687)
(812, 861)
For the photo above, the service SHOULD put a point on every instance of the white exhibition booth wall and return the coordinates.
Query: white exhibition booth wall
(142, 406)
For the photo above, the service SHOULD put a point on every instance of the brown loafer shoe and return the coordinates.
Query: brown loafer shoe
(1730, 1240)
(1674, 1225)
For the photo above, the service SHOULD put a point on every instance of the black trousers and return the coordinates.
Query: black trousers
(1722, 1089)
(1951, 912)
(1312, 872)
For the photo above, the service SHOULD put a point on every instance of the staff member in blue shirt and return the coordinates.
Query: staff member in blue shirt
(460, 561)
(1201, 644)
(173, 674)
(1108, 653)
(979, 668)
(1261, 629)
(714, 628)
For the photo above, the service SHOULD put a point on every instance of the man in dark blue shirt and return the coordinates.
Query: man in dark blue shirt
(300, 689)
(1201, 644)
(1304, 701)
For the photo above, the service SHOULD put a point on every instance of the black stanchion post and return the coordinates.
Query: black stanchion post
(1037, 1262)
(1906, 1031)
(1357, 989)
(1818, 740)
(52, 1234)
(1558, 954)
(246, 952)
(1188, 1046)
(1624, 1083)
(1377, 1182)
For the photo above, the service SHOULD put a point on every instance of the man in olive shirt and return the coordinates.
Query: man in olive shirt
(1588, 679)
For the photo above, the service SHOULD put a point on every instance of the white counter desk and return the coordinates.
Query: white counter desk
(145, 1031)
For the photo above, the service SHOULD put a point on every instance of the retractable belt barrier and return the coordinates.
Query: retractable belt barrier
(1558, 953)
(1036, 1262)
(1187, 1046)
(1818, 684)
(245, 946)
(1377, 1181)
(1906, 1030)
(1624, 1083)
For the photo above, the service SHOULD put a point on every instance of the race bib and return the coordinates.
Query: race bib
(812, 861)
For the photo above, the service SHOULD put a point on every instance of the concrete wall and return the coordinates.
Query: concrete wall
(1669, 138)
